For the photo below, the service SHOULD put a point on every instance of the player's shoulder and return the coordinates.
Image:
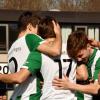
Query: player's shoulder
(33, 37)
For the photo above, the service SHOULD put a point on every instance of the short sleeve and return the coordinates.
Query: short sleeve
(33, 62)
(33, 41)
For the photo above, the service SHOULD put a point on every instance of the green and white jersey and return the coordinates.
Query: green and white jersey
(57, 67)
(93, 67)
(81, 96)
(49, 69)
(17, 56)
(94, 62)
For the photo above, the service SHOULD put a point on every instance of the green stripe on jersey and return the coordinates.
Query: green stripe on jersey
(90, 62)
(34, 62)
(79, 95)
(97, 69)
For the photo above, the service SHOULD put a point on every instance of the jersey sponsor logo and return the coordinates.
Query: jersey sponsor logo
(15, 50)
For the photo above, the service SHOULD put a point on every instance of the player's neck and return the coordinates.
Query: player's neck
(21, 34)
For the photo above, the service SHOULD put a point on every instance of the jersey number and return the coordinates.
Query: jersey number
(60, 66)
(15, 62)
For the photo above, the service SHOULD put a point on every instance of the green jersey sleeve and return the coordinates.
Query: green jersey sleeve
(33, 41)
(33, 62)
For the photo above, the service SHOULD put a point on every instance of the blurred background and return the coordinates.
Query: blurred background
(44, 5)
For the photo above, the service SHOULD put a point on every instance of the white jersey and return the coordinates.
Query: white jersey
(17, 56)
(52, 68)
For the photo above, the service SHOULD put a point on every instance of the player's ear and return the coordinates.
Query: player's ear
(29, 27)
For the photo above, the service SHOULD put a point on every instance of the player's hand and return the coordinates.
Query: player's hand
(63, 83)
(57, 28)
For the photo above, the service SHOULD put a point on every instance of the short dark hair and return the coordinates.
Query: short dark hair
(26, 18)
(46, 28)
(77, 41)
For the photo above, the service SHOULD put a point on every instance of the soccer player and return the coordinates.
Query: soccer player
(51, 67)
(28, 41)
(79, 48)
(66, 65)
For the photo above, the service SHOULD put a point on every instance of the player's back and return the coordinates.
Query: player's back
(17, 56)
(57, 67)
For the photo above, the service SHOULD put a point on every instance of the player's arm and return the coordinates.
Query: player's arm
(90, 88)
(16, 78)
(55, 48)
(81, 72)
(66, 84)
